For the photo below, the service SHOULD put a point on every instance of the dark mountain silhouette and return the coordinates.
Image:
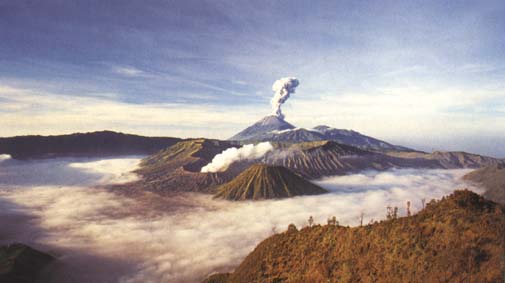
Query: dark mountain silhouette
(492, 178)
(457, 239)
(104, 143)
(261, 181)
(21, 264)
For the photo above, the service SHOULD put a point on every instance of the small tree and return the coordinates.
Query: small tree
(395, 212)
(423, 202)
(389, 212)
(361, 216)
(311, 221)
(408, 208)
(332, 221)
(274, 230)
(292, 228)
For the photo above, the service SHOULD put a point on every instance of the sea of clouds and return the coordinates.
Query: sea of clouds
(57, 205)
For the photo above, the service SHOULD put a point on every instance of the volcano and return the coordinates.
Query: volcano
(275, 129)
(262, 181)
(271, 123)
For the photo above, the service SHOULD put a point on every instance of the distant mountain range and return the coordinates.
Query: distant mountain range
(456, 239)
(109, 143)
(275, 129)
(103, 143)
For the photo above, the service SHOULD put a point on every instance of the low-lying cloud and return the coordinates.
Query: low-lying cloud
(4, 157)
(103, 237)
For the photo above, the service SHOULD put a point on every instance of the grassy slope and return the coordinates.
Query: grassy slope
(458, 239)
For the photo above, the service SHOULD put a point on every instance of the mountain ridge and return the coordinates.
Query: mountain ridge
(99, 143)
(177, 168)
(274, 129)
(492, 178)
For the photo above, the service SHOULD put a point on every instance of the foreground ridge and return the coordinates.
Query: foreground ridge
(456, 239)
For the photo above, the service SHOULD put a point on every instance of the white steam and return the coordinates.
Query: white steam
(99, 236)
(282, 88)
(223, 160)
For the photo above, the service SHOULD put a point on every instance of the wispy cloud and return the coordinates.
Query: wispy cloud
(129, 71)
(38, 112)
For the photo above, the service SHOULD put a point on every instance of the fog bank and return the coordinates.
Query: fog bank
(102, 237)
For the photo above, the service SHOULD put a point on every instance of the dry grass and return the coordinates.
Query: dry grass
(457, 239)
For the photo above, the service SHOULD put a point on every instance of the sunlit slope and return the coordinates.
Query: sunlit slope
(177, 168)
(457, 239)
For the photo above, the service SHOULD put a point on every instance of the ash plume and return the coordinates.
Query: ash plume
(223, 160)
(283, 88)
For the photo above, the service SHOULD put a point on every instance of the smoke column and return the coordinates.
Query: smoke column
(283, 88)
(223, 160)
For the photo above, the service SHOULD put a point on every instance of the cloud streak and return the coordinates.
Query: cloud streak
(60, 113)
(129, 71)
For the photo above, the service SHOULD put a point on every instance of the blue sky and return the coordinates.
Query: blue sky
(429, 74)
